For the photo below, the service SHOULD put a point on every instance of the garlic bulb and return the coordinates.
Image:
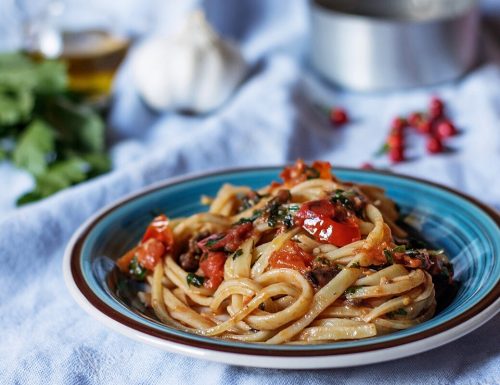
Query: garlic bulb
(195, 71)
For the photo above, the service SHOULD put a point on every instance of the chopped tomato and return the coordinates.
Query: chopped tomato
(316, 217)
(213, 268)
(291, 256)
(229, 241)
(124, 261)
(160, 230)
(150, 253)
(324, 169)
(300, 172)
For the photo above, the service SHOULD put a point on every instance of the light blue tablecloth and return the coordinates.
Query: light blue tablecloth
(46, 338)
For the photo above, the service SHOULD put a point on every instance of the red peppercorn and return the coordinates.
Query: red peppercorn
(434, 145)
(436, 107)
(367, 166)
(425, 126)
(338, 116)
(396, 154)
(395, 141)
(415, 119)
(445, 129)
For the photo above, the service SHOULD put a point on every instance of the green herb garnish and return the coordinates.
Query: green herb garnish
(195, 280)
(384, 149)
(45, 129)
(136, 271)
(355, 265)
(399, 249)
(389, 256)
(256, 214)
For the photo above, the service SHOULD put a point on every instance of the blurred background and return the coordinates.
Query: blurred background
(152, 89)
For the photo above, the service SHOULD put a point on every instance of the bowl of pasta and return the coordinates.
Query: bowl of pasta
(293, 267)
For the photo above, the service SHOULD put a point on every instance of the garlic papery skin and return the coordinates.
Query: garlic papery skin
(194, 71)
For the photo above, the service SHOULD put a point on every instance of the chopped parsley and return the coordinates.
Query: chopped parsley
(281, 214)
(136, 271)
(355, 265)
(195, 280)
(256, 214)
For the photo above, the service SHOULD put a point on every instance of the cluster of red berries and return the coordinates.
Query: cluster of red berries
(434, 124)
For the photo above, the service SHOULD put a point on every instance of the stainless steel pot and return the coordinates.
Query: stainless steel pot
(370, 45)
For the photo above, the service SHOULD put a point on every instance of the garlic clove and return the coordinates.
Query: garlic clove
(196, 70)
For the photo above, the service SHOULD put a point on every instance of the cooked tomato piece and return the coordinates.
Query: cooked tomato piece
(300, 172)
(150, 253)
(291, 256)
(316, 217)
(213, 267)
(160, 230)
(124, 261)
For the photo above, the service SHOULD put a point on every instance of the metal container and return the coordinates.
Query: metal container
(371, 45)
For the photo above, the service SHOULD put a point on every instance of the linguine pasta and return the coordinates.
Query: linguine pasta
(307, 260)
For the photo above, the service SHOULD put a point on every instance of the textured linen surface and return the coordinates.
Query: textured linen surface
(47, 338)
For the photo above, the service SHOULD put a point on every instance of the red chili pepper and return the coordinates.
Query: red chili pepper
(316, 218)
(213, 267)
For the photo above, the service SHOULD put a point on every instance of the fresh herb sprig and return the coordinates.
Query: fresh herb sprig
(45, 129)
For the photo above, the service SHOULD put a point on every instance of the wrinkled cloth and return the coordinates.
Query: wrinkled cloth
(272, 118)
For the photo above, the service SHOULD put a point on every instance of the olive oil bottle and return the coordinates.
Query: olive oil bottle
(92, 57)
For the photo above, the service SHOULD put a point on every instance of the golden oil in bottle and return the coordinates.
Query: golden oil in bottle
(92, 57)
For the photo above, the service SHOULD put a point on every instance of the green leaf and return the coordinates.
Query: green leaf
(16, 105)
(34, 147)
(51, 77)
(80, 128)
(136, 271)
(399, 249)
(389, 256)
(384, 149)
(98, 163)
(195, 280)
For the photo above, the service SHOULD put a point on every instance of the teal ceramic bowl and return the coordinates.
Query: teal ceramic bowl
(466, 229)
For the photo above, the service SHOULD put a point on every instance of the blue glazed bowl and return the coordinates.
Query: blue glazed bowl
(467, 230)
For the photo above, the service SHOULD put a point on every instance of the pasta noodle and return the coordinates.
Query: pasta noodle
(309, 260)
